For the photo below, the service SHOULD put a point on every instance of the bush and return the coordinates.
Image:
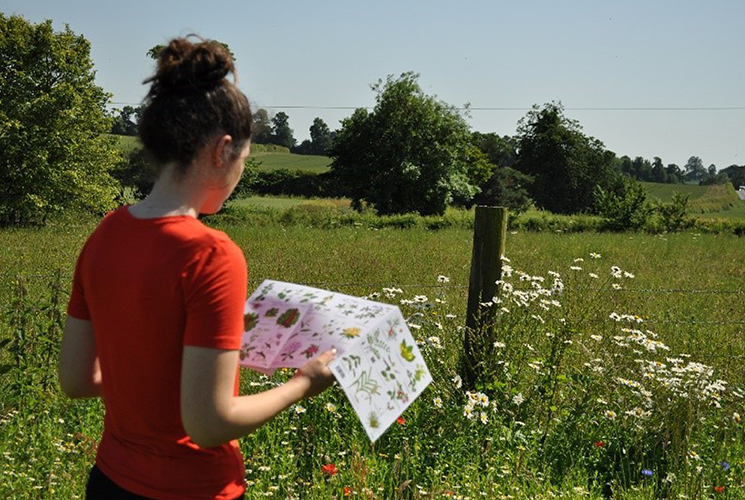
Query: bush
(673, 216)
(625, 208)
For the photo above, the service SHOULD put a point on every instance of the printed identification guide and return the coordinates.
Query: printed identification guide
(378, 364)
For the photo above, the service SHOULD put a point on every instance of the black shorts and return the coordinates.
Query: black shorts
(100, 487)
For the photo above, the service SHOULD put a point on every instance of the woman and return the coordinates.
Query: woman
(155, 317)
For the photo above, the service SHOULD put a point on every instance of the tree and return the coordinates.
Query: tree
(694, 169)
(53, 154)
(320, 137)
(659, 174)
(674, 173)
(261, 128)
(565, 164)
(126, 123)
(281, 131)
(504, 186)
(409, 154)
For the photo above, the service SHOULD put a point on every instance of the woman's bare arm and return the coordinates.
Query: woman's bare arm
(212, 415)
(79, 371)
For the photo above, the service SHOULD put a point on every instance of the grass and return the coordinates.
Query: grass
(718, 202)
(276, 161)
(664, 192)
(555, 444)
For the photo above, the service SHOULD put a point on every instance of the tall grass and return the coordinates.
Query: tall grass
(546, 388)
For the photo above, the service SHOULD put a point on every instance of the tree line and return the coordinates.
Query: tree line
(410, 153)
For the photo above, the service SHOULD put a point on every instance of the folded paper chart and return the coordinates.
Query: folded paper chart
(378, 364)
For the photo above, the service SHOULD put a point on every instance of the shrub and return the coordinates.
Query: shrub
(674, 216)
(624, 208)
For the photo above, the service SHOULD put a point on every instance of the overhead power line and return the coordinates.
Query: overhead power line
(495, 108)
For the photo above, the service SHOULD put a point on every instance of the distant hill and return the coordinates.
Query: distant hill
(710, 202)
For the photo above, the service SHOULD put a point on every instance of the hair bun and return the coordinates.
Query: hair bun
(184, 66)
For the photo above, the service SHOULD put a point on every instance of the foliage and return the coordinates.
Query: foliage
(281, 131)
(565, 164)
(261, 128)
(286, 182)
(126, 121)
(53, 156)
(506, 187)
(320, 141)
(674, 215)
(694, 169)
(624, 207)
(408, 155)
(136, 173)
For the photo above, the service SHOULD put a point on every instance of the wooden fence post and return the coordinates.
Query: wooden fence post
(489, 232)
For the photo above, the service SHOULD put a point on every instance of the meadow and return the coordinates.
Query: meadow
(613, 367)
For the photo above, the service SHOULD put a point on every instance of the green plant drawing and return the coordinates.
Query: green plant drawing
(250, 320)
(271, 313)
(366, 385)
(289, 318)
(407, 352)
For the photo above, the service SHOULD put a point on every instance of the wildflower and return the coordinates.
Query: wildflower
(329, 470)
(579, 259)
(499, 345)
(627, 274)
(594, 276)
(724, 465)
(468, 411)
(693, 455)
(599, 444)
(347, 491)
(616, 272)
(610, 414)
(616, 286)
(719, 489)
(596, 338)
(483, 400)
(736, 417)
(450, 316)
(330, 407)
(594, 255)
(434, 342)
(437, 402)
(484, 418)
(647, 473)
(420, 298)
(299, 409)
(575, 268)
(458, 382)
(443, 279)
(400, 421)
(518, 398)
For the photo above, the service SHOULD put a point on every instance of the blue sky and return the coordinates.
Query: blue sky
(586, 54)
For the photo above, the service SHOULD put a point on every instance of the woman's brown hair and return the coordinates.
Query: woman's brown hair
(191, 101)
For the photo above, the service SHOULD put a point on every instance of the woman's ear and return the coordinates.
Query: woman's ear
(221, 150)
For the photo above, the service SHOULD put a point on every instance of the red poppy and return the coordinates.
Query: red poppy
(329, 469)
(347, 491)
(599, 444)
(719, 489)
(400, 421)
(448, 493)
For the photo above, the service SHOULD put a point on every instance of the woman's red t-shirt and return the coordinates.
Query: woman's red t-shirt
(149, 288)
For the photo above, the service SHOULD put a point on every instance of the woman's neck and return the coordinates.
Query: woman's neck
(169, 197)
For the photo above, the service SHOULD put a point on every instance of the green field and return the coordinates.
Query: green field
(566, 364)
(289, 161)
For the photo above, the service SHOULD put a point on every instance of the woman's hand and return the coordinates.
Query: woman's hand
(316, 373)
